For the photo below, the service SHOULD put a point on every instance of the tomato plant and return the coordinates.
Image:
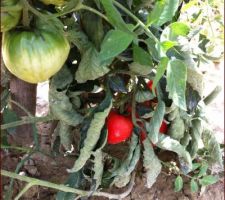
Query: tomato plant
(99, 57)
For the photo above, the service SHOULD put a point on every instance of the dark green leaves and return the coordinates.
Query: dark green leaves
(176, 82)
(91, 67)
(114, 16)
(178, 184)
(155, 123)
(114, 43)
(163, 12)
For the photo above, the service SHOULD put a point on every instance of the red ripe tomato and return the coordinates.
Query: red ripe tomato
(149, 84)
(163, 127)
(119, 128)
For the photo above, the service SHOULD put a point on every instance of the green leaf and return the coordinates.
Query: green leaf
(176, 82)
(114, 43)
(194, 185)
(156, 121)
(114, 16)
(140, 69)
(93, 134)
(160, 71)
(117, 84)
(167, 143)
(59, 81)
(76, 36)
(208, 180)
(143, 95)
(203, 169)
(93, 26)
(98, 168)
(65, 135)
(75, 180)
(211, 144)
(151, 163)
(91, 67)
(61, 107)
(195, 166)
(177, 128)
(10, 116)
(141, 56)
(163, 12)
(178, 184)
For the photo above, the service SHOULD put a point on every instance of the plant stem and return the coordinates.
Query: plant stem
(207, 100)
(11, 8)
(27, 120)
(34, 181)
(24, 149)
(25, 19)
(147, 31)
(27, 187)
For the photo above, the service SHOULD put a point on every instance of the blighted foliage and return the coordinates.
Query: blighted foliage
(116, 48)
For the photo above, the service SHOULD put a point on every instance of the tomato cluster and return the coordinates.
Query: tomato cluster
(120, 127)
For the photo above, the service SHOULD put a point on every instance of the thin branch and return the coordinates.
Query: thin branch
(64, 188)
(147, 31)
(21, 107)
(207, 100)
(27, 120)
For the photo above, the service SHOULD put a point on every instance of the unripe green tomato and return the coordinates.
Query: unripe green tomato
(9, 19)
(54, 2)
(34, 55)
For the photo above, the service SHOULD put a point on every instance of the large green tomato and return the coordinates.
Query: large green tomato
(54, 2)
(34, 55)
(10, 19)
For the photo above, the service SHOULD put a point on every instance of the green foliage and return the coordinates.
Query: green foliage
(178, 184)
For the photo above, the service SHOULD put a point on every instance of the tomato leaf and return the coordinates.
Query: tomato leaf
(160, 71)
(178, 184)
(167, 143)
(142, 96)
(114, 43)
(176, 82)
(156, 121)
(213, 147)
(114, 16)
(98, 168)
(91, 67)
(117, 84)
(194, 185)
(163, 12)
(65, 135)
(61, 107)
(93, 133)
(10, 116)
(140, 69)
(75, 180)
(141, 56)
(208, 180)
(151, 163)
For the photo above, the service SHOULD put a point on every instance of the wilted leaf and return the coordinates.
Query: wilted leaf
(143, 95)
(176, 82)
(211, 144)
(167, 143)
(151, 163)
(62, 109)
(114, 43)
(156, 121)
(178, 184)
(93, 134)
(91, 67)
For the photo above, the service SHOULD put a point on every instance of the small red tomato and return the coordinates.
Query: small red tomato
(149, 84)
(163, 127)
(119, 128)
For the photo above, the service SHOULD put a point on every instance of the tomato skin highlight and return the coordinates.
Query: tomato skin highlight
(119, 128)
(34, 55)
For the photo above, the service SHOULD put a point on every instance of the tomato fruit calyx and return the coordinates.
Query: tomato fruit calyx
(119, 128)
